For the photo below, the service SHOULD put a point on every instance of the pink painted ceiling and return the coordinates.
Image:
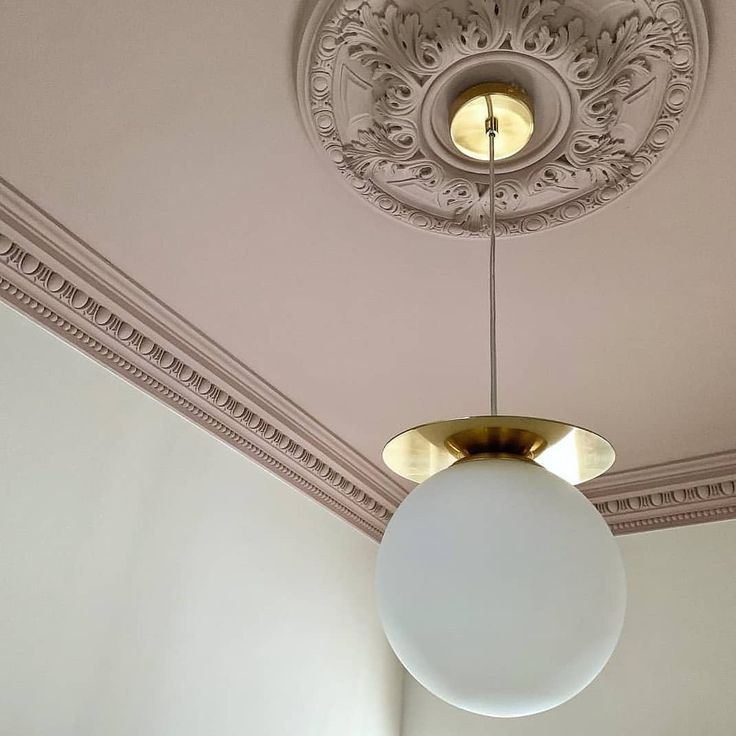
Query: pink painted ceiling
(167, 135)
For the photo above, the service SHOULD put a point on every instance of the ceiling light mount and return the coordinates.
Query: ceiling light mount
(511, 106)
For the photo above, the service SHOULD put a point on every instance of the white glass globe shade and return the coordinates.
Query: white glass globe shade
(500, 587)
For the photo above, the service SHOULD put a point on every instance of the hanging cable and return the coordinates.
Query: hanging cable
(491, 131)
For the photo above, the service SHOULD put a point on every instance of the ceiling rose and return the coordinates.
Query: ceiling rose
(611, 83)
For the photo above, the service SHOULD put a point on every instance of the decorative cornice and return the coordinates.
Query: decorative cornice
(56, 279)
(683, 492)
(61, 283)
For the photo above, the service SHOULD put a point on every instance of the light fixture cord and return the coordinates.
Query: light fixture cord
(491, 131)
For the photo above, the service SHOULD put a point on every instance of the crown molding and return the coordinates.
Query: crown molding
(56, 279)
(691, 491)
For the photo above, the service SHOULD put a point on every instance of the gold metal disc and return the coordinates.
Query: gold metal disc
(511, 107)
(572, 453)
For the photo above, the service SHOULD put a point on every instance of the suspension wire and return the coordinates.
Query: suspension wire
(491, 131)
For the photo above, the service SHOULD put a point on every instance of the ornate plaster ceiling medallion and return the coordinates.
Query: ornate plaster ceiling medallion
(610, 83)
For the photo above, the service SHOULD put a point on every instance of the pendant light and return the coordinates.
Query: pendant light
(500, 587)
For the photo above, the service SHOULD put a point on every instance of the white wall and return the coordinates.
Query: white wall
(153, 581)
(674, 672)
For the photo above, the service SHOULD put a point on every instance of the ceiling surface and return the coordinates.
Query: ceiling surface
(167, 135)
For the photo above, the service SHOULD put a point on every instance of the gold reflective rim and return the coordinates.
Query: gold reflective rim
(572, 453)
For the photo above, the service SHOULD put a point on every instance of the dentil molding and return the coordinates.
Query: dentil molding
(683, 492)
(612, 83)
(60, 282)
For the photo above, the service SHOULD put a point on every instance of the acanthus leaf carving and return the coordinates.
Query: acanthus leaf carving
(653, 47)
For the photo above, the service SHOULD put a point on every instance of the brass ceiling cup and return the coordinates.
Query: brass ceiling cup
(511, 107)
(572, 453)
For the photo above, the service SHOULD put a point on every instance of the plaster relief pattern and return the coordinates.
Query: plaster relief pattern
(689, 491)
(613, 83)
(671, 508)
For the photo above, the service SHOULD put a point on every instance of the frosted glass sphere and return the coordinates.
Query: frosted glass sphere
(500, 587)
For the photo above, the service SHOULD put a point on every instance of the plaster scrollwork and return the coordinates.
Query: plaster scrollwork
(616, 81)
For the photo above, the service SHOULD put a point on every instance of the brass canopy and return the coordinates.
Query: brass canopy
(469, 112)
(574, 454)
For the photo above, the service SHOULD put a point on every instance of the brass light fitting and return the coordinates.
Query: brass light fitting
(511, 107)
